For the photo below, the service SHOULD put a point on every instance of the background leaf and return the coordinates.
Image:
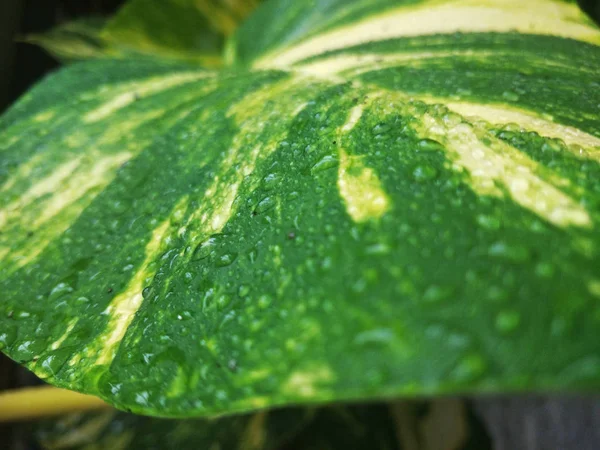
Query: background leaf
(74, 41)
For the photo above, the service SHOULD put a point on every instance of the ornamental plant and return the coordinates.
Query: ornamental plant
(214, 209)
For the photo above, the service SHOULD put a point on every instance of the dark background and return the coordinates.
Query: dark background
(513, 423)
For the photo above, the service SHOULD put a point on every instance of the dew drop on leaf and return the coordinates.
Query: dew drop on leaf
(510, 96)
(470, 368)
(544, 270)
(205, 249)
(510, 252)
(264, 205)
(424, 173)
(243, 290)
(59, 290)
(429, 145)
(7, 337)
(508, 321)
(376, 336)
(270, 181)
(327, 162)
(264, 301)
(436, 293)
(488, 222)
(225, 259)
(497, 294)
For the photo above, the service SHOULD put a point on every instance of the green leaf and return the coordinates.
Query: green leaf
(189, 30)
(401, 200)
(437, 425)
(74, 41)
(359, 426)
(184, 29)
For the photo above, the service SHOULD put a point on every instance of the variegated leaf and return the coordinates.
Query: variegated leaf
(376, 199)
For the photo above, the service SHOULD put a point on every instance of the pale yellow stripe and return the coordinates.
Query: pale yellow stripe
(46, 185)
(124, 306)
(550, 17)
(358, 184)
(239, 162)
(77, 185)
(67, 185)
(503, 164)
(505, 114)
(131, 91)
(360, 189)
(353, 64)
(307, 383)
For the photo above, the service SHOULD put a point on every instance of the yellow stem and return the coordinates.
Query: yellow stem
(44, 401)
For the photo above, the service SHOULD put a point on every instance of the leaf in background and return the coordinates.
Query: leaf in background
(117, 430)
(388, 215)
(351, 427)
(74, 41)
(373, 425)
(188, 30)
(185, 29)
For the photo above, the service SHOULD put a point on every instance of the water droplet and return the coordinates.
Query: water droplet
(253, 255)
(488, 222)
(243, 290)
(544, 270)
(327, 162)
(511, 96)
(264, 301)
(380, 248)
(53, 361)
(497, 294)
(7, 337)
(470, 368)
(429, 145)
(223, 301)
(270, 181)
(508, 321)
(142, 398)
(375, 336)
(24, 352)
(512, 253)
(225, 259)
(435, 293)
(553, 145)
(264, 205)
(146, 292)
(59, 290)
(424, 173)
(205, 249)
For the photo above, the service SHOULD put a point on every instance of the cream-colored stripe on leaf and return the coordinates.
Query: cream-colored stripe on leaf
(130, 92)
(123, 307)
(552, 17)
(62, 196)
(250, 114)
(506, 114)
(47, 185)
(353, 64)
(501, 163)
(359, 185)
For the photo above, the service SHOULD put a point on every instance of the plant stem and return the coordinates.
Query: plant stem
(44, 401)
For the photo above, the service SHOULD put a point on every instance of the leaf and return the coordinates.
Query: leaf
(185, 29)
(113, 429)
(387, 215)
(372, 425)
(191, 30)
(74, 41)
